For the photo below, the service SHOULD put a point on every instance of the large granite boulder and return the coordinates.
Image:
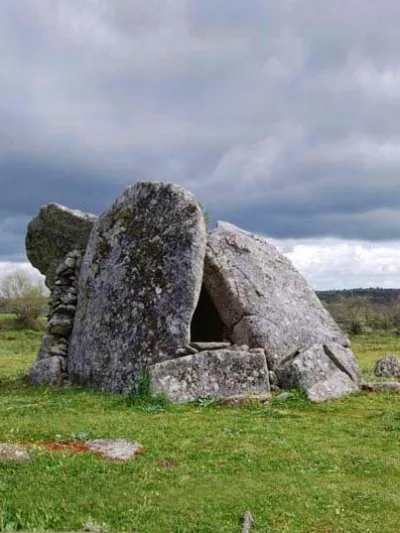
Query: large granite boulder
(323, 372)
(264, 302)
(217, 373)
(139, 284)
(54, 232)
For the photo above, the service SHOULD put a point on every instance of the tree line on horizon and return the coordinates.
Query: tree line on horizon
(359, 311)
(356, 311)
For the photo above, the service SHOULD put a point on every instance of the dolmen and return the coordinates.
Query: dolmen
(144, 293)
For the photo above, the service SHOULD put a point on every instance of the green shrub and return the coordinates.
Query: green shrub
(25, 299)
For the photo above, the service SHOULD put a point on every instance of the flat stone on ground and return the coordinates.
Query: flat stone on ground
(218, 373)
(13, 453)
(116, 449)
(382, 386)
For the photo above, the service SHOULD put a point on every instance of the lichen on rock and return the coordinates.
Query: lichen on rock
(139, 285)
(54, 232)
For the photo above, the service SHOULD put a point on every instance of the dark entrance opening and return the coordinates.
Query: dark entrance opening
(206, 323)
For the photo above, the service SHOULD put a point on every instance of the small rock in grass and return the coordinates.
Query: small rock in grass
(388, 367)
(47, 371)
(383, 386)
(13, 453)
(116, 449)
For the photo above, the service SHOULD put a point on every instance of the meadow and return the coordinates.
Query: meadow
(296, 466)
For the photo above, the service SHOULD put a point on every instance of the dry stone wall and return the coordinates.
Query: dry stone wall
(51, 364)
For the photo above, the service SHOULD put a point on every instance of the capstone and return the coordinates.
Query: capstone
(54, 232)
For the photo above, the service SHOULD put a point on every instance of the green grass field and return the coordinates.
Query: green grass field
(298, 467)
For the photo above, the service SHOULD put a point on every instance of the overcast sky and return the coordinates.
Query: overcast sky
(282, 117)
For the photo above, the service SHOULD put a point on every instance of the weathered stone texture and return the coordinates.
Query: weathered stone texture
(115, 449)
(218, 373)
(54, 232)
(50, 371)
(139, 284)
(264, 301)
(382, 386)
(262, 298)
(388, 367)
(323, 372)
(62, 307)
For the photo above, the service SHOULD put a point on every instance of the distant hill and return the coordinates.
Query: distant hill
(377, 296)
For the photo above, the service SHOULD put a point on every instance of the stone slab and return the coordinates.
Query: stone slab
(54, 232)
(262, 298)
(217, 373)
(139, 284)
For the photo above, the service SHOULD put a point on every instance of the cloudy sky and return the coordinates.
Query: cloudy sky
(282, 117)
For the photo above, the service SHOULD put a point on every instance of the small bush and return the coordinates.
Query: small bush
(26, 300)
(143, 399)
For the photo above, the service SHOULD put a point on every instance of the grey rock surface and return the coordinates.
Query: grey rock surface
(200, 346)
(218, 373)
(185, 350)
(60, 325)
(115, 449)
(138, 287)
(54, 232)
(13, 453)
(47, 343)
(322, 372)
(382, 386)
(49, 371)
(261, 297)
(388, 367)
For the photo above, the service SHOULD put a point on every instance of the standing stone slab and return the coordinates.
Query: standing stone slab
(218, 373)
(54, 232)
(261, 297)
(139, 285)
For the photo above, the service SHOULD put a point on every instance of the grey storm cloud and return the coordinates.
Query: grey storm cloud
(281, 116)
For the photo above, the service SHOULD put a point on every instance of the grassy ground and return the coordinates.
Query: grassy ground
(297, 467)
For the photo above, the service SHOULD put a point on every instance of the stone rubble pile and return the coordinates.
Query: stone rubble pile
(61, 315)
